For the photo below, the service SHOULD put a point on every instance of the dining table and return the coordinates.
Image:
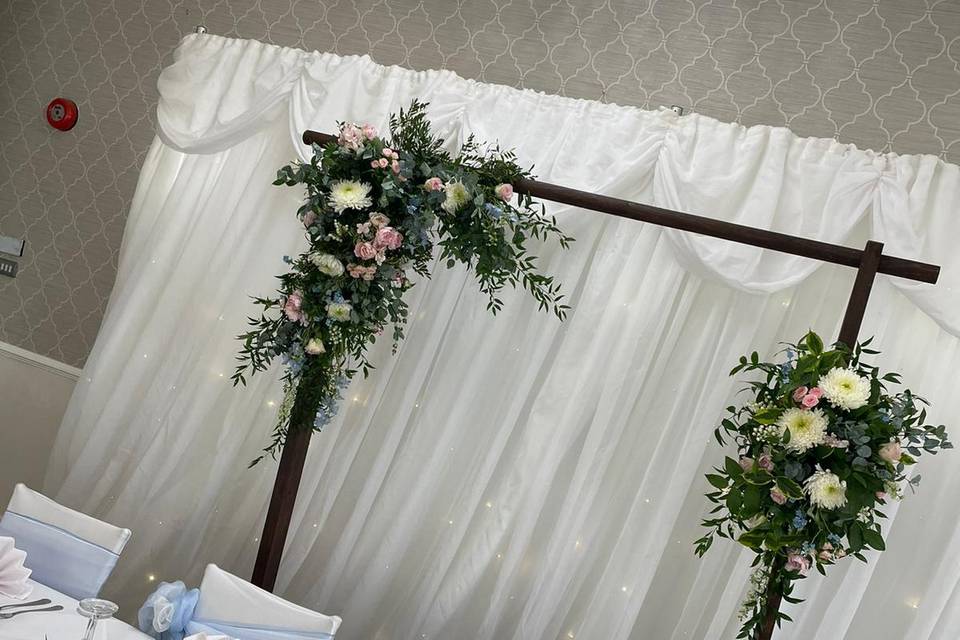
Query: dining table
(65, 624)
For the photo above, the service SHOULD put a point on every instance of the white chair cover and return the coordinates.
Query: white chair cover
(66, 550)
(233, 606)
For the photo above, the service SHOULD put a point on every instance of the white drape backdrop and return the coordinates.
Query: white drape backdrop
(505, 477)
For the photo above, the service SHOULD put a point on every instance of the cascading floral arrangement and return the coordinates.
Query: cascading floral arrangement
(823, 447)
(375, 210)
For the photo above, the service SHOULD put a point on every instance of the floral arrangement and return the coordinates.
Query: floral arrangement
(822, 449)
(376, 209)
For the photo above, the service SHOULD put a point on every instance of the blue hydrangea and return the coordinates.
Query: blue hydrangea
(800, 519)
(834, 539)
(288, 259)
(808, 548)
(493, 211)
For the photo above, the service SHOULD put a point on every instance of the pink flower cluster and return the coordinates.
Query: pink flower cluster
(808, 398)
(352, 136)
(797, 562)
(433, 184)
(359, 271)
(293, 306)
(385, 238)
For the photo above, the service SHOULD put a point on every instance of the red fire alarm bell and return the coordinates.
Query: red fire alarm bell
(62, 114)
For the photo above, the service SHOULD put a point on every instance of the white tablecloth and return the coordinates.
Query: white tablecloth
(59, 625)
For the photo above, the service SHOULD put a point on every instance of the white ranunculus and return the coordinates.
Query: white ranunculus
(457, 196)
(339, 311)
(826, 490)
(807, 428)
(844, 389)
(349, 194)
(315, 347)
(163, 611)
(327, 264)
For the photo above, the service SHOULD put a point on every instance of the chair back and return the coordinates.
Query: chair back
(232, 606)
(66, 550)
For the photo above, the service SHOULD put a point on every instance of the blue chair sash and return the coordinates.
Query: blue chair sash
(249, 632)
(58, 558)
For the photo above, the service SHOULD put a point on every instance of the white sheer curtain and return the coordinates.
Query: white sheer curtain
(505, 477)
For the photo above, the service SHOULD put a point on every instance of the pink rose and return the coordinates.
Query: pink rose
(746, 463)
(389, 153)
(388, 237)
(797, 562)
(395, 166)
(309, 218)
(383, 162)
(375, 164)
(816, 392)
(433, 184)
(777, 495)
(798, 393)
(809, 401)
(891, 452)
(365, 251)
(765, 462)
(293, 306)
(504, 191)
(881, 495)
(369, 131)
(398, 280)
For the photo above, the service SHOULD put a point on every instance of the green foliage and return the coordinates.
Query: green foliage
(764, 499)
(335, 298)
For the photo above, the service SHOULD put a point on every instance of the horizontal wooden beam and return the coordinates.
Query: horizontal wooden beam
(813, 249)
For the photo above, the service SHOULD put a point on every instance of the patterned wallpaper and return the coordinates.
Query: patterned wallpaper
(883, 74)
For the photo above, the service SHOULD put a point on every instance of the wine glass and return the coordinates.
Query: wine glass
(95, 609)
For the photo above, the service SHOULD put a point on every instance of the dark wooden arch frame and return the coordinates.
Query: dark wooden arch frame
(868, 262)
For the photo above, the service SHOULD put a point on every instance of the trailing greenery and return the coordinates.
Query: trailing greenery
(821, 450)
(375, 210)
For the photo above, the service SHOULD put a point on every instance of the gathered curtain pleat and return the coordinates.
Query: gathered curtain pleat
(510, 476)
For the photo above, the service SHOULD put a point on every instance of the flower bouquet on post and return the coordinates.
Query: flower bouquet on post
(823, 447)
(378, 210)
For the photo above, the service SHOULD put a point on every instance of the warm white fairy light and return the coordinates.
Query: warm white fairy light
(624, 589)
(270, 403)
(450, 522)
(151, 578)
(489, 505)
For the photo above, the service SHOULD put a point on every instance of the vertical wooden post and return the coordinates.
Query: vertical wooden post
(849, 330)
(284, 496)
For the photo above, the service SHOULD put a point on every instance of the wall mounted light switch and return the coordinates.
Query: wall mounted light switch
(8, 268)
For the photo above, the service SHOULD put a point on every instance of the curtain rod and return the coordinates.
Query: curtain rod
(804, 247)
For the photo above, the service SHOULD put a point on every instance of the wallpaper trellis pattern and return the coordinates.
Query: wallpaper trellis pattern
(882, 74)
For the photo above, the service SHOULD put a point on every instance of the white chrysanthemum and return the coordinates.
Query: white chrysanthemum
(826, 490)
(807, 428)
(844, 389)
(327, 264)
(457, 196)
(349, 194)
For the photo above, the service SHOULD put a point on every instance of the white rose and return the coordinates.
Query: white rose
(314, 347)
